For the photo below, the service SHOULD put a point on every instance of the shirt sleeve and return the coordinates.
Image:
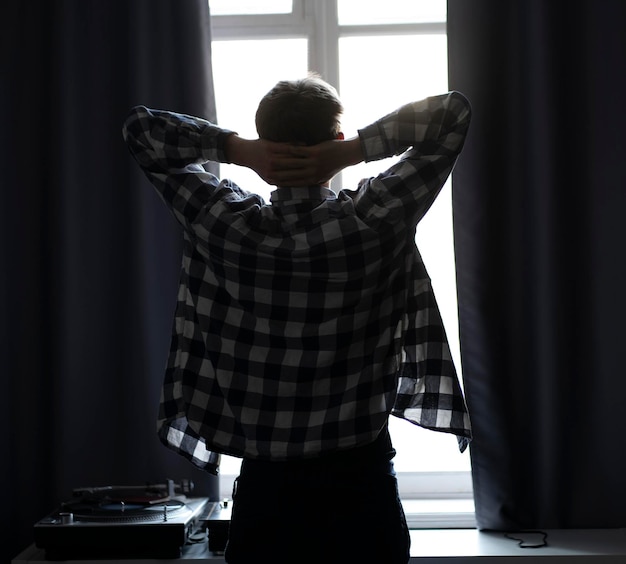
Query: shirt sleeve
(430, 135)
(171, 148)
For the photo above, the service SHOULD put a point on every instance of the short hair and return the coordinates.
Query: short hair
(305, 111)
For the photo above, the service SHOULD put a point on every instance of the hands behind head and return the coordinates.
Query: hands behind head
(291, 165)
(281, 164)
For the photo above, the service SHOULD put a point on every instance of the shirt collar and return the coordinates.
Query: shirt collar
(288, 194)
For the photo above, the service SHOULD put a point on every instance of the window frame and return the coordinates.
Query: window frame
(317, 21)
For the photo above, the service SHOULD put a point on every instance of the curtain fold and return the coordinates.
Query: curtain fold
(90, 256)
(538, 197)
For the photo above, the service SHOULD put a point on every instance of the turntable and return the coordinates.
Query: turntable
(152, 521)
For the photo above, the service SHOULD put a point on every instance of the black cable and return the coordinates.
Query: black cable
(524, 543)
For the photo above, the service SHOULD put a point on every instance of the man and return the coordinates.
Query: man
(303, 323)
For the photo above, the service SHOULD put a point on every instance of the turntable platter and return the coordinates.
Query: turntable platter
(121, 511)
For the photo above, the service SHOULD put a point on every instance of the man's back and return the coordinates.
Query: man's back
(302, 324)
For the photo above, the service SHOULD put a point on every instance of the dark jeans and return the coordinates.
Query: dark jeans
(340, 508)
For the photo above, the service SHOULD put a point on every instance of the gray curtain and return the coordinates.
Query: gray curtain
(90, 257)
(539, 197)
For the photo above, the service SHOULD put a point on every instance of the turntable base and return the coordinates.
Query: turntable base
(150, 531)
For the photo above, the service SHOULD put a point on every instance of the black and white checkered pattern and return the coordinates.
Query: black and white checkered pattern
(302, 324)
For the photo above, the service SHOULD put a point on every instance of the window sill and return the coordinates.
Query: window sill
(599, 546)
(452, 546)
(439, 513)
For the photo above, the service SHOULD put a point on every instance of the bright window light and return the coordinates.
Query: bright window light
(260, 65)
(375, 72)
(364, 12)
(239, 7)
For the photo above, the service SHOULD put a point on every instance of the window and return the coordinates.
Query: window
(379, 55)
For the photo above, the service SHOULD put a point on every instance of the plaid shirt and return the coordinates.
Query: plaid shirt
(302, 324)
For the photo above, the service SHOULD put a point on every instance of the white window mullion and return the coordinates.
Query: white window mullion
(429, 28)
(324, 39)
(321, 17)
